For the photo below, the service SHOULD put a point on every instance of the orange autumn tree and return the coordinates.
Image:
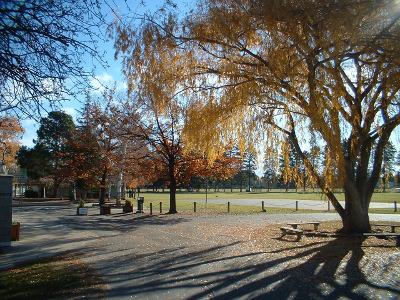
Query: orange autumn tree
(10, 133)
(102, 144)
(161, 132)
(287, 66)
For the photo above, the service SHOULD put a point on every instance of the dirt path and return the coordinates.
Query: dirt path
(211, 256)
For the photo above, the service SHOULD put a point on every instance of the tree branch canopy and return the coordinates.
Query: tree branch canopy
(332, 66)
(43, 47)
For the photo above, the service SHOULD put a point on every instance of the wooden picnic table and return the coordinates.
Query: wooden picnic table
(392, 226)
(292, 231)
(384, 235)
(295, 225)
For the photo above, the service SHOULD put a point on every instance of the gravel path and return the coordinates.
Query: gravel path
(209, 256)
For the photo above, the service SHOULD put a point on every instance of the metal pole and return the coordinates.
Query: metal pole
(229, 207)
(262, 206)
(160, 207)
(329, 205)
(395, 206)
(151, 208)
(297, 205)
(194, 206)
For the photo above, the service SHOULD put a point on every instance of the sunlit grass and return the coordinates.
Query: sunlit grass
(388, 197)
(51, 279)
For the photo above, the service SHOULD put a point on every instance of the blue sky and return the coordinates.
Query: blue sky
(106, 75)
(113, 74)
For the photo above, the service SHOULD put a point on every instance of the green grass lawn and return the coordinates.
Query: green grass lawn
(184, 206)
(213, 208)
(388, 197)
(51, 279)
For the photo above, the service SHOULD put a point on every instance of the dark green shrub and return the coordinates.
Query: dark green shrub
(31, 194)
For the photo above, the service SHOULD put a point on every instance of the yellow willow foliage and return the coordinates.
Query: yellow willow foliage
(276, 66)
(329, 170)
(312, 180)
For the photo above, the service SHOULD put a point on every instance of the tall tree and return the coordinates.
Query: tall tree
(388, 162)
(53, 135)
(43, 47)
(116, 154)
(10, 132)
(331, 65)
(249, 166)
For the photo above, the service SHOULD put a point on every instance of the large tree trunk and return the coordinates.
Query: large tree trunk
(172, 187)
(355, 216)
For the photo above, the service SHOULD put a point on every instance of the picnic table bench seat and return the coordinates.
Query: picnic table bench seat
(392, 226)
(291, 231)
(384, 235)
(295, 225)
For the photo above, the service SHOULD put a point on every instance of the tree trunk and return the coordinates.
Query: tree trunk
(172, 187)
(355, 218)
(384, 183)
(172, 197)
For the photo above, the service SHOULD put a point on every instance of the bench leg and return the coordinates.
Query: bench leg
(398, 241)
(393, 229)
(315, 227)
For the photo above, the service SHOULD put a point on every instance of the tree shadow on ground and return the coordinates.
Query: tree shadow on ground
(118, 222)
(331, 270)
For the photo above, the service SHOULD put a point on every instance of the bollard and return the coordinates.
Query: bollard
(151, 208)
(262, 206)
(229, 207)
(194, 206)
(395, 206)
(160, 207)
(297, 205)
(329, 205)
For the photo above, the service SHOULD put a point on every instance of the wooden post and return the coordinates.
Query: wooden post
(297, 205)
(395, 206)
(329, 205)
(151, 208)
(262, 206)
(194, 206)
(229, 207)
(160, 207)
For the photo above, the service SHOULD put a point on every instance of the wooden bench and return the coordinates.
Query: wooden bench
(292, 231)
(295, 225)
(392, 226)
(384, 235)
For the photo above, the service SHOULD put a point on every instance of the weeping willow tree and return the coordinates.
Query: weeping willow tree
(284, 67)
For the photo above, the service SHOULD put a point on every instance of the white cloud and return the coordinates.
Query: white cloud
(105, 80)
(100, 82)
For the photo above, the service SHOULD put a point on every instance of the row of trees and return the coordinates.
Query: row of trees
(231, 69)
(283, 69)
(285, 169)
(130, 143)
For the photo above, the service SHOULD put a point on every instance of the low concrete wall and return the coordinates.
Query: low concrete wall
(5, 210)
